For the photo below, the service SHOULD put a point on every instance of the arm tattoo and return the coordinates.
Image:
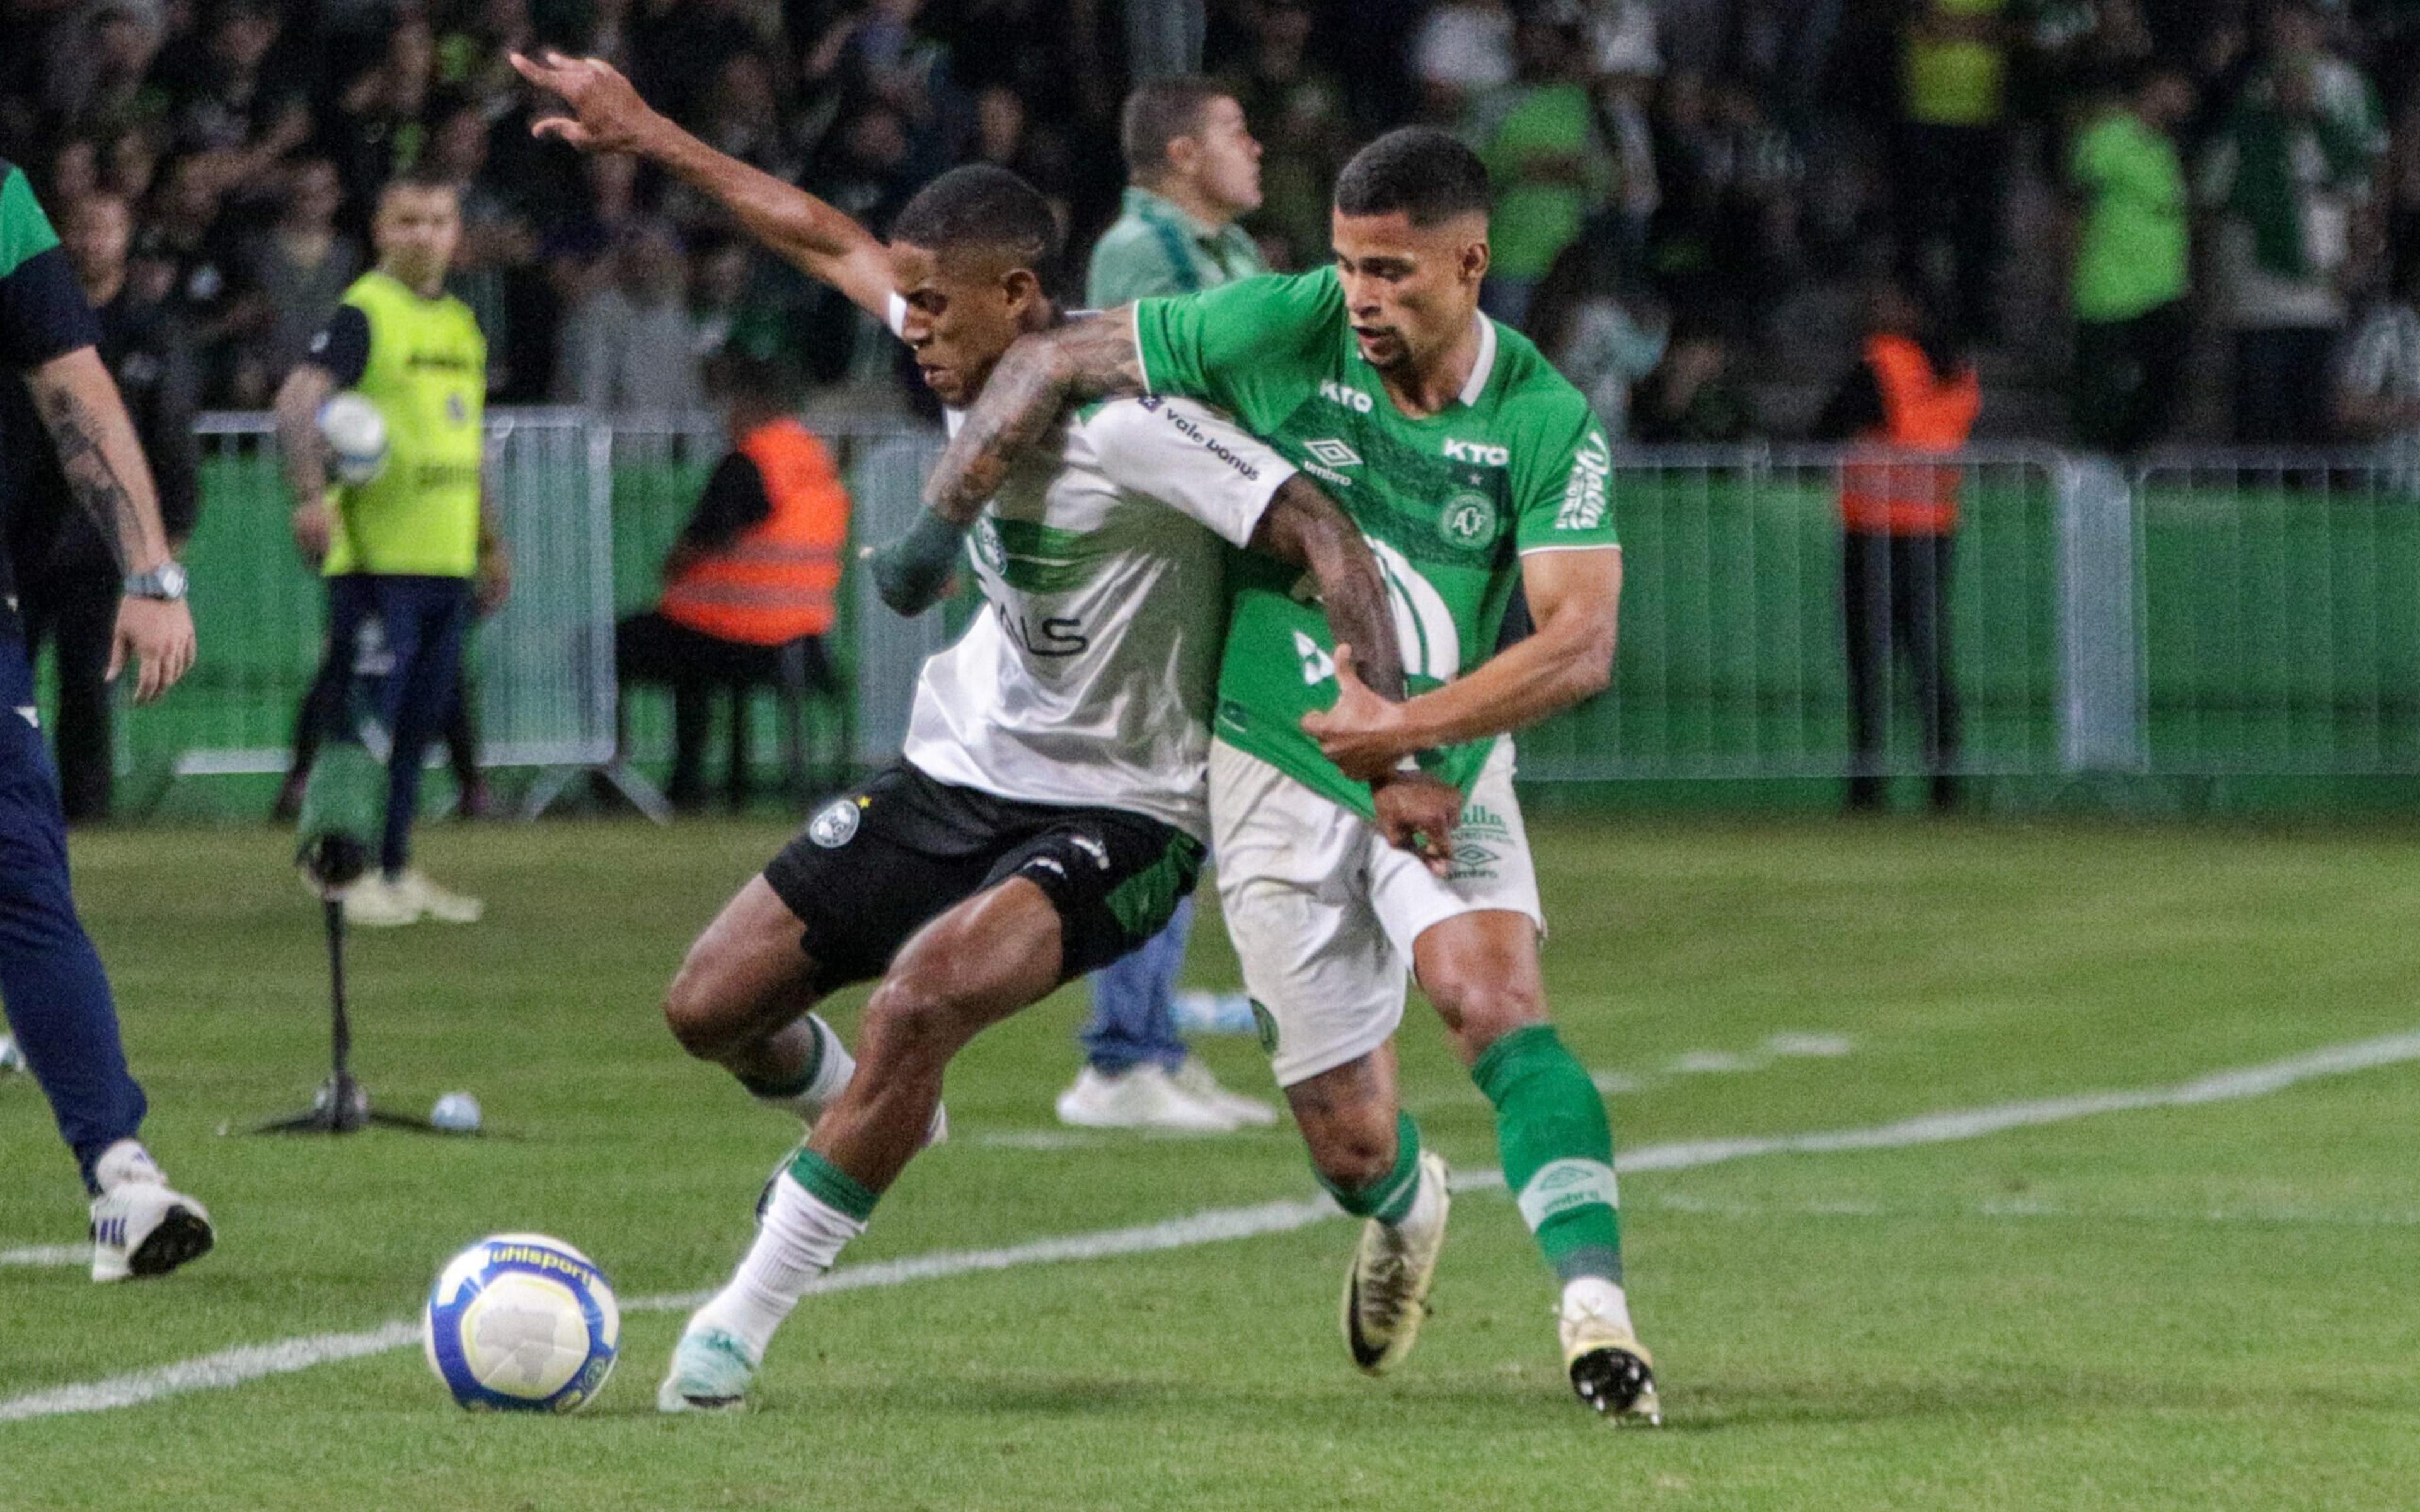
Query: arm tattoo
(1304, 526)
(76, 432)
(1038, 377)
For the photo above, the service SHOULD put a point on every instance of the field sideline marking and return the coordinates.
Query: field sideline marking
(232, 1368)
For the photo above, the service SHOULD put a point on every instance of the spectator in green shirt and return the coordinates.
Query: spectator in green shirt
(2133, 266)
(1192, 169)
(1549, 165)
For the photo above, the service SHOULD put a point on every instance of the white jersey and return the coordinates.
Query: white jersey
(1089, 679)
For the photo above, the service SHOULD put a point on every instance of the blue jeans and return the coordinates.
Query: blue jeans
(421, 624)
(1134, 1017)
(50, 981)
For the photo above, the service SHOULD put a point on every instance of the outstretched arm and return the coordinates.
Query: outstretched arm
(608, 115)
(1575, 597)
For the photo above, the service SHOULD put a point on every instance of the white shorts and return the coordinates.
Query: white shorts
(1324, 912)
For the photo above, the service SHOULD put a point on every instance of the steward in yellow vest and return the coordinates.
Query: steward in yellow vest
(403, 552)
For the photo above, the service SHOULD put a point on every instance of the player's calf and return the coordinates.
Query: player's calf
(1555, 1140)
(1366, 1153)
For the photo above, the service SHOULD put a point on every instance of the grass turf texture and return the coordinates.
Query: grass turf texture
(2185, 1307)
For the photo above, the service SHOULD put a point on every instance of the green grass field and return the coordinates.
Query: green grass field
(2203, 1304)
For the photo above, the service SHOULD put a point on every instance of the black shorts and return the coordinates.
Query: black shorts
(878, 863)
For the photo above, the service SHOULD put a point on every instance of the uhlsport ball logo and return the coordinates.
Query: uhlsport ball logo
(521, 1323)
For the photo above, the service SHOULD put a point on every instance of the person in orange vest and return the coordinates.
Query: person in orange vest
(1911, 395)
(757, 568)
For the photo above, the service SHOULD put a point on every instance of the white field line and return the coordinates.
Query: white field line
(47, 1254)
(2023, 1208)
(232, 1368)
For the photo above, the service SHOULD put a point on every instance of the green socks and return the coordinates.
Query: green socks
(1556, 1148)
(1389, 1198)
(833, 1187)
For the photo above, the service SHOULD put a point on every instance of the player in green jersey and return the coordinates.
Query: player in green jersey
(1471, 467)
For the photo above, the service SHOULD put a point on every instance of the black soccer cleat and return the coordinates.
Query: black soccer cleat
(1619, 1384)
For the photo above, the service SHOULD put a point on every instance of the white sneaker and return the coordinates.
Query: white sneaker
(710, 1373)
(139, 1226)
(437, 903)
(1194, 1080)
(1387, 1287)
(1145, 1097)
(1610, 1370)
(373, 903)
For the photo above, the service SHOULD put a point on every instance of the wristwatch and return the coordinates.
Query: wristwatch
(164, 581)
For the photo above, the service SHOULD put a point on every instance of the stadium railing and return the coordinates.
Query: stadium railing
(2280, 610)
(543, 673)
(1732, 656)
(589, 504)
(2206, 612)
(660, 463)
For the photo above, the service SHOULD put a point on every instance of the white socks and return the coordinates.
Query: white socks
(123, 1162)
(1594, 1294)
(1428, 1201)
(801, 1237)
(833, 1069)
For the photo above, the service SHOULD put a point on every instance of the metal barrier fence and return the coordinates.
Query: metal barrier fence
(2281, 612)
(2207, 613)
(589, 505)
(1732, 658)
(544, 663)
(659, 465)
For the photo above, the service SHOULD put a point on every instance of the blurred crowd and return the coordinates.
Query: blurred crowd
(1675, 176)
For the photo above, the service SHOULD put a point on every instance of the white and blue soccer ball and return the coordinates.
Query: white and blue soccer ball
(521, 1323)
(355, 432)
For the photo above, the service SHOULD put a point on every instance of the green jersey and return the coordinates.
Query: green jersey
(1155, 248)
(1449, 503)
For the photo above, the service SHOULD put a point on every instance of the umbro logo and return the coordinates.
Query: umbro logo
(1333, 452)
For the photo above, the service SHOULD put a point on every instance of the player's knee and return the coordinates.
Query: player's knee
(910, 1016)
(698, 1010)
(1481, 1006)
(1354, 1157)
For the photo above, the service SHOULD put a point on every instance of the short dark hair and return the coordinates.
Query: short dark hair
(419, 176)
(1423, 172)
(1158, 114)
(981, 207)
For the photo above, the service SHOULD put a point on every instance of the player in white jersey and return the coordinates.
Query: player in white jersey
(1050, 809)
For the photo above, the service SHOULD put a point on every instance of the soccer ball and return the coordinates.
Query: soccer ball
(356, 436)
(521, 1323)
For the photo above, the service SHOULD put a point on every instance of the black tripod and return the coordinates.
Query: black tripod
(342, 1105)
